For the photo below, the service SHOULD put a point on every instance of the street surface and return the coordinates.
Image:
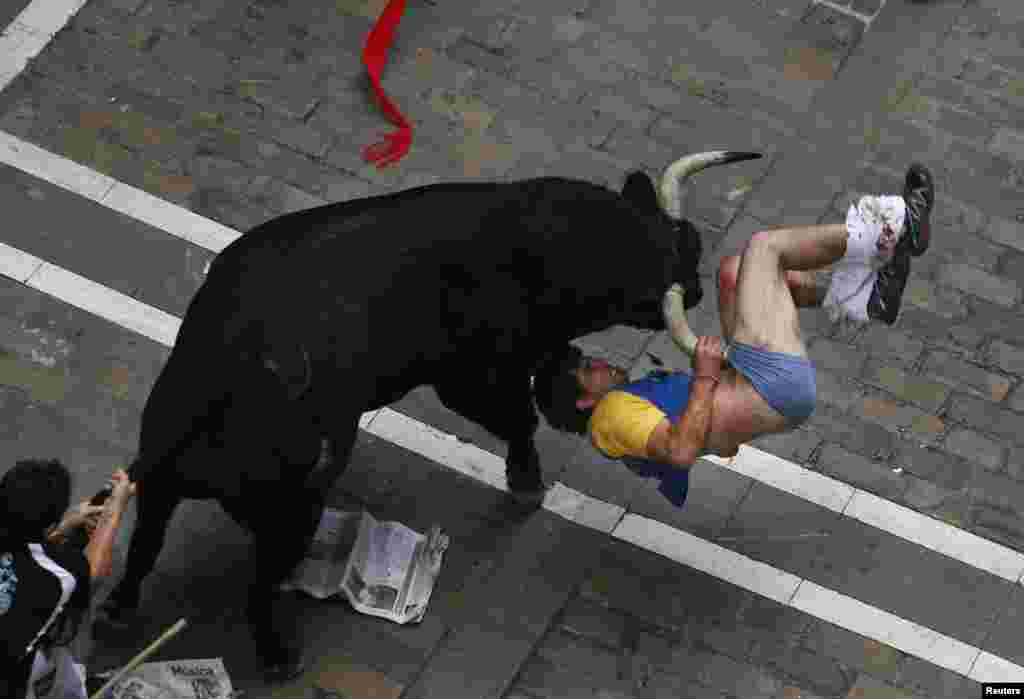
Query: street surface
(875, 553)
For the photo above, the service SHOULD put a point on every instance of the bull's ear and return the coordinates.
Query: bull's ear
(639, 190)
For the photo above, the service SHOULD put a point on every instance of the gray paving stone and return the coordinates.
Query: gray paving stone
(935, 682)
(794, 445)
(898, 417)
(769, 518)
(1007, 357)
(929, 498)
(868, 686)
(945, 368)
(981, 179)
(1005, 232)
(984, 416)
(936, 298)
(999, 524)
(1006, 629)
(929, 326)
(806, 668)
(875, 477)
(712, 498)
(1004, 292)
(657, 591)
(837, 391)
(887, 343)
(997, 490)
(974, 447)
(956, 246)
(738, 679)
(1009, 142)
(969, 98)
(620, 109)
(852, 433)
(837, 357)
(540, 677)
(580, 656)
(1015, 463)
(991, 319)
(595, 622)
(964, 125)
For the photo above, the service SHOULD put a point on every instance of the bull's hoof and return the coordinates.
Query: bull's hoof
(528, 499)
(286, 668)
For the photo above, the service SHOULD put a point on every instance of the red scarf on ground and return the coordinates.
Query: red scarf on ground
(395, 145)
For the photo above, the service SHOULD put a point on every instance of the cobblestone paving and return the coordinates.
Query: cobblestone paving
(243, 110)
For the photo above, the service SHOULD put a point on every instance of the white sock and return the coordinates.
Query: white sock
(854, 275)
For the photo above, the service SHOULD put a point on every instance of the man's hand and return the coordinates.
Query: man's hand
(121, 487)
(707, 358)
(81, 515)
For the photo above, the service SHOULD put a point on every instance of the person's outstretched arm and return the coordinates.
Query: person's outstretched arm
(100, 550)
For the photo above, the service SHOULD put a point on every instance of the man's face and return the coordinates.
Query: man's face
(596, 377)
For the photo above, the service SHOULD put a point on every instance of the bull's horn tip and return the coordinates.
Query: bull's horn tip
(737, 155)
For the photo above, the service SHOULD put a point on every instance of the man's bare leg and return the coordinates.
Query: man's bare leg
(804, 285)
(764, 312)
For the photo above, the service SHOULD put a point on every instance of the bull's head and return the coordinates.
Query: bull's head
(666, 204)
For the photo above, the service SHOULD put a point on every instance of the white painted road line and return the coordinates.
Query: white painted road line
(877, 512)
(913, 639)
(715, 560)
(652, 535)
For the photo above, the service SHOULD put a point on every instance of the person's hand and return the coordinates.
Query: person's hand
(81, 515)
(121, 487)
(707, 358)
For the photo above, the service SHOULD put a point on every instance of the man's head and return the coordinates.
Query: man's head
(568, 385)
(33, 496)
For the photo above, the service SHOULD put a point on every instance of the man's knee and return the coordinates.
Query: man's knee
(728, 273)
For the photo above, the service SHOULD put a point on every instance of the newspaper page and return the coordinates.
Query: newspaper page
(174, 679)
(319, 574)
(385, 569)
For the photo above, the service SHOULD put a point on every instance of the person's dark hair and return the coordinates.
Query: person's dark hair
(34, 494)
(556, 390)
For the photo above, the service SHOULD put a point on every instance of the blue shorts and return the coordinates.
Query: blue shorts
(785, 381)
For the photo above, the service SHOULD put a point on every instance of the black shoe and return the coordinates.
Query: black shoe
(887, 294)
(919, 196)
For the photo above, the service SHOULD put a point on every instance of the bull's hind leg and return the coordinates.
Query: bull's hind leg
(282, 519)
(155, 503)
(503, 405)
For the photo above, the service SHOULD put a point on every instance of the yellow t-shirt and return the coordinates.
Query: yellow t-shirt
(622, 423)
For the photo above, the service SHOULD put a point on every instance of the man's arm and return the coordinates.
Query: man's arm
(100, 550)
(680, 442)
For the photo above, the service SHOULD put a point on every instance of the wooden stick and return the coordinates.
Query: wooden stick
(138, 659)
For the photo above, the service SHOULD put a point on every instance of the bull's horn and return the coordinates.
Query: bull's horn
(675, 320)
(676, 173)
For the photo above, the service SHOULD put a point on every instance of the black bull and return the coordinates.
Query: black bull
(315, 317)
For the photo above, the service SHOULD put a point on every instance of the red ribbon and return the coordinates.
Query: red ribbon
(395, 145)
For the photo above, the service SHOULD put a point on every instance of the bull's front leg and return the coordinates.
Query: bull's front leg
(504, 407)
(155, 504)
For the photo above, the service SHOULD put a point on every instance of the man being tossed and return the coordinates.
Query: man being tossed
(659, 425)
